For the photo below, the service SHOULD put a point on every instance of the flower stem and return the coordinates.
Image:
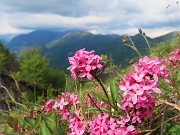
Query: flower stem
(134, 47)
(105, 92)
(148, 44)
(94, 103)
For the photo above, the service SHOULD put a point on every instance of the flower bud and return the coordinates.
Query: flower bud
(144, 34)
(140, 31)
(104, 57)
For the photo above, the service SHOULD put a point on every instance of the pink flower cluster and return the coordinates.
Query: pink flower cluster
(152, 67)
(61, 104)
(102, 125)
(76, 126)
(83, 63)
(139, 86)
(139, 91)
(175, 58)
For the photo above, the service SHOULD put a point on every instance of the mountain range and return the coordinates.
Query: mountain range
(5, 38)
(58, 46)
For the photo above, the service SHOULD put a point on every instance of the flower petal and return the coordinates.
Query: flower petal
(156, 90)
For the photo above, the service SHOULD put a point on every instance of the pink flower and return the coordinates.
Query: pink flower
(99, 126)
(152, 67)
(42, 108)
(64, 113)
(138, 88)
(136, 117)
(122, 122)
(102, 125)
(175, 56)
(71, 98)
(76, 127)
(60, 104)
(83, 63)
(48, 106)
(174, 59)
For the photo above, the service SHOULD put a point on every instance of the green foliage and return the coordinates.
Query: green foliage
(167, 37)
(171, 129)
(3, 57)
(33, 67)
(7, 130)
(44, 130)
(164, 48)
(56, 78)
(8, 60)
(43, 124)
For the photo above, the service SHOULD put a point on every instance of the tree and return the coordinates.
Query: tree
(8, 61)
(33, 66)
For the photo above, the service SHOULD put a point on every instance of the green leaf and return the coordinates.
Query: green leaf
(113, 95)
(100, 97)
(7, 129)
(95, 109)
(123, 72)
(29, 120)
(51, 124)
(38, 121)
(23, 124)
(52, 114)
(104, 57)
(44, 130)
(175, 129)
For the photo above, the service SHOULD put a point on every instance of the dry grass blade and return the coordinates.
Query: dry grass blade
(170, 104)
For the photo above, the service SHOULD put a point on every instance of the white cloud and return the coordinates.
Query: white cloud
(53, 20)
(98, 16)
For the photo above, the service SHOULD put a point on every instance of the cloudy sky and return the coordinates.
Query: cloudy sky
(155, 17)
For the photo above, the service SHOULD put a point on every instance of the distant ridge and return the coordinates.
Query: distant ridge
(167, 37)
(58, 46)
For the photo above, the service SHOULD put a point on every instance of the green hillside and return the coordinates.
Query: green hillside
(57, 46)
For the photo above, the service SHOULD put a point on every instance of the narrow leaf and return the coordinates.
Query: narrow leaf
(113, 94)
(44, 130)
(29, 120)
(95, 109)
(51, 124)
(38, 121)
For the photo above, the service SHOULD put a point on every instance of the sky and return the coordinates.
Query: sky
(154, 17)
